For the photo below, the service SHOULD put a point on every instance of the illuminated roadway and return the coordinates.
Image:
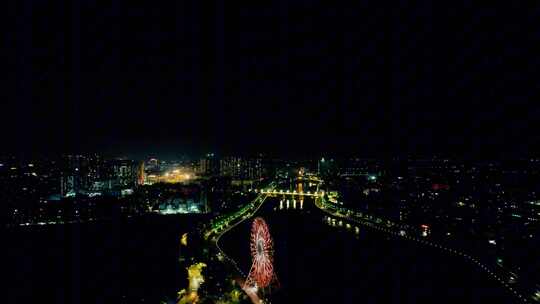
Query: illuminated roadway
(349, 215)
(237, 218)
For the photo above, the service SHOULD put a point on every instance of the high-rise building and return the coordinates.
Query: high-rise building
(240, 168)
(77, 174)
(231, 166)
(153, 164)
(141, 174)
(68, 185)
(94, 169)
(88, 174)
(254, 168)
(327, 167)
(125, 172)
(354, 167)
(209, 165)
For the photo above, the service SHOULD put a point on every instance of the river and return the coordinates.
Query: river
(319, 263)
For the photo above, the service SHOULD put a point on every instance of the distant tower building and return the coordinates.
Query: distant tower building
(209, 165)
(95, 170)
(320, 163)
(68, 185)
(326, 167)
(75, 174)
(224, 167)
(255, 169)
(125, 172)
(241, 168)
(202, 166)
(231, 166)
(141, 176)
(153, 164)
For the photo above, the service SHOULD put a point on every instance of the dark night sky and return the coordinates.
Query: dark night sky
(300, 77)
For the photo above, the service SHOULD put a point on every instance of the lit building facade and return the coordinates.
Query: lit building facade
(240, 168)
(141, 174)
(125, 172)
(326, 167)
(209, 165)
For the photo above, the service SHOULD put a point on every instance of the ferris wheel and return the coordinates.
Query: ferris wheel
(261, 273)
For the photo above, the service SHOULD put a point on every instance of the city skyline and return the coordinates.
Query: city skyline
(480, 216)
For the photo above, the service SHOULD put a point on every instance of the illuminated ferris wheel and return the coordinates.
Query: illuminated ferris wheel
(261, 273)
